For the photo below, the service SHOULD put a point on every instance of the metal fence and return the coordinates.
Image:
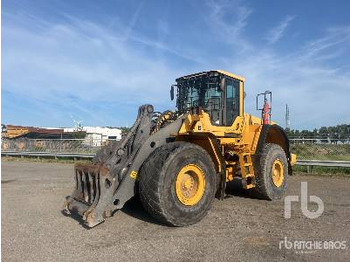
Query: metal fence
(316, 140)
(87, 148)
(76, 146)
(323, 154)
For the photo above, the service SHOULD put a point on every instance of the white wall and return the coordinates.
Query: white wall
(95, 136)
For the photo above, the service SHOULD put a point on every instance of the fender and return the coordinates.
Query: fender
(210, 143)
(275, 134)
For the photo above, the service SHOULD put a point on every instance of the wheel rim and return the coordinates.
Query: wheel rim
(190, 185)
(277, 173)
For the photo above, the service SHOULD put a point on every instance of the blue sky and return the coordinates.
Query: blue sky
(97, 61)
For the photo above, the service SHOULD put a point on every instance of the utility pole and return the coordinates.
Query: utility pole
(287, 118)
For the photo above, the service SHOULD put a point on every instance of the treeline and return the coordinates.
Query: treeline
(331, 132)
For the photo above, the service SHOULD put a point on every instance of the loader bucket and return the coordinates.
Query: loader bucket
(108, 183)
(92, 184)
(93, 197)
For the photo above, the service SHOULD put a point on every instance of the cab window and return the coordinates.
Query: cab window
(231, 101)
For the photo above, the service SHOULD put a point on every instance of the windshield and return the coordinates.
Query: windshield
(201, 92)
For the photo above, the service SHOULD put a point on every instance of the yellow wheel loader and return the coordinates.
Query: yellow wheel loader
(178, 162)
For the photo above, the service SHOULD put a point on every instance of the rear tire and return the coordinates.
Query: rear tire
(159, 185)
(271, 173)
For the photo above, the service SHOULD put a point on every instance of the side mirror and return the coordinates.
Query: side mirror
(222, 84)
(172, 93)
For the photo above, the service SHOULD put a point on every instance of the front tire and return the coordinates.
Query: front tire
(271, 173)
(178, 183)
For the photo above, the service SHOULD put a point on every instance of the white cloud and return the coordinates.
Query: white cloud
(317, 92)
(79, 64)
(67, 60)
(332, 41)
(84, 69)
(228, 20)
(276, 33)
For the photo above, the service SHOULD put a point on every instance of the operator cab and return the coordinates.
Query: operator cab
(218, 93)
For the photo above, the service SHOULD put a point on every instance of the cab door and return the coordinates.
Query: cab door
(231, 102)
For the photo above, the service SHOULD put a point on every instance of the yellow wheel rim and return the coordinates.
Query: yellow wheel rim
(190, 185)
(277, 173)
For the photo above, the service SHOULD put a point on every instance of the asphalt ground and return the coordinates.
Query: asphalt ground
(239, 228)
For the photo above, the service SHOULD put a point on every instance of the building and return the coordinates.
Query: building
(14, 131)
(97, 136)
(93, 136)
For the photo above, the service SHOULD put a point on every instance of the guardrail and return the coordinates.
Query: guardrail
(46, 154)
(308, 163)
(324, 163)
(71, 146)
